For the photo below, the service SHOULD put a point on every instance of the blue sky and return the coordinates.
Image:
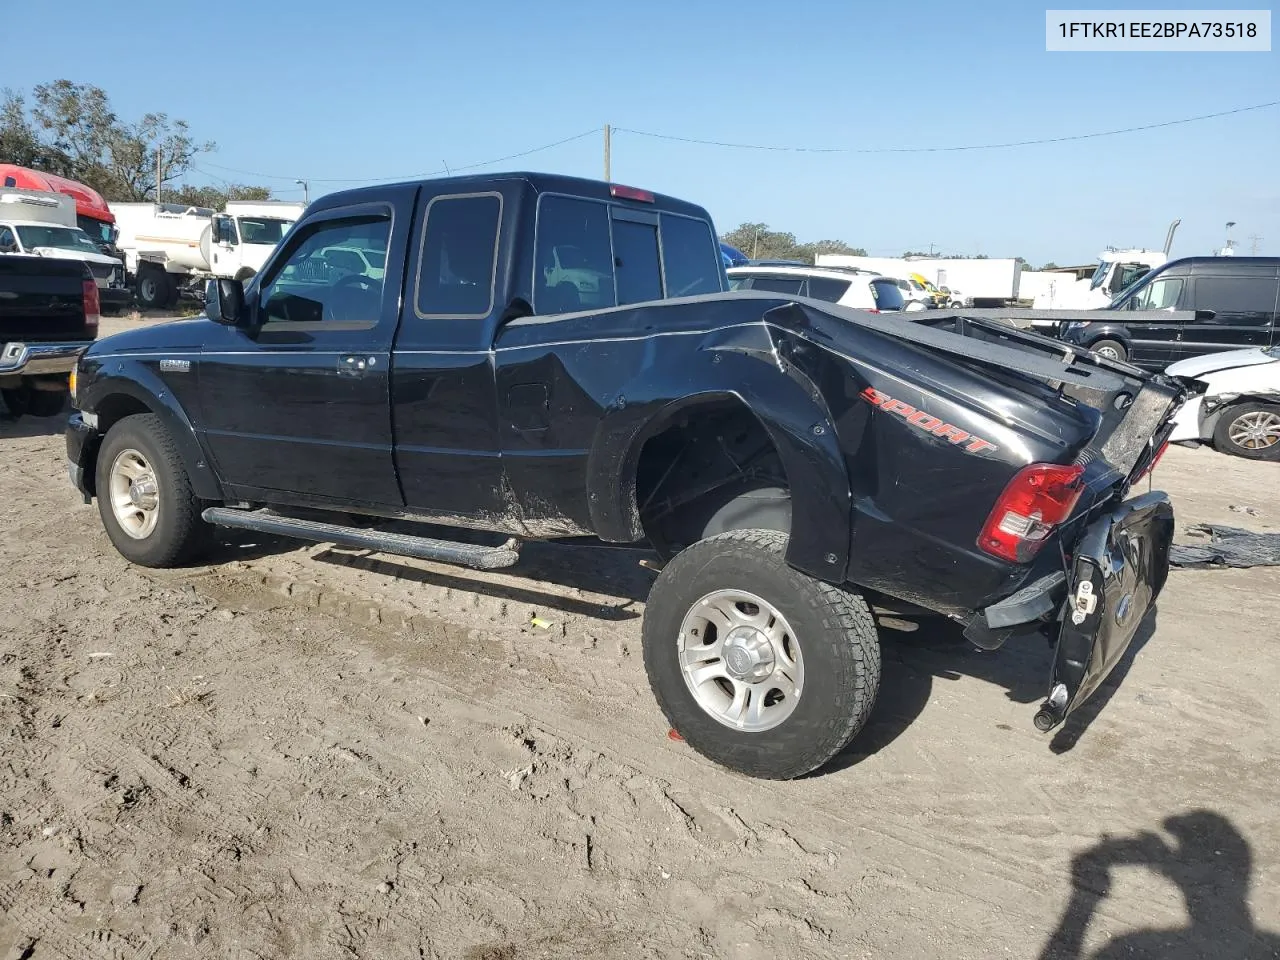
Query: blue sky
(387, 88)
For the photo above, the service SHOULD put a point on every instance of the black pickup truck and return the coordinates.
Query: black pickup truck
(49, 314)
(546, 357)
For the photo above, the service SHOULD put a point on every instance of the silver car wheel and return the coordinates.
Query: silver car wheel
(1256, 430)
(741, 660)
(135, 494)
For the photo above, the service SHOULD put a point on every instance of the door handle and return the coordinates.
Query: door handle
(355, 365)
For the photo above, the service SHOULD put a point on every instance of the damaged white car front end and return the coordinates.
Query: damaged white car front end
(1238, 406)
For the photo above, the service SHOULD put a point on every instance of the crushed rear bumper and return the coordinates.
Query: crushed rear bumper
(1114, 574)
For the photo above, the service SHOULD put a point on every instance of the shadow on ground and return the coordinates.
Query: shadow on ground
(1211, 863)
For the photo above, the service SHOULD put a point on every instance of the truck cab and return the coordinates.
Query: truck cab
(1117, 270)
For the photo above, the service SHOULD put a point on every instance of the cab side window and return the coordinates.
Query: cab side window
(458, 256)
(311, 288)
(8, 242)
(225, 230)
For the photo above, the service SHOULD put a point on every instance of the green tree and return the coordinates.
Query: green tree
(215, 197)
(1050, 266)
(72, 130)
(758, 242)
(19, 141)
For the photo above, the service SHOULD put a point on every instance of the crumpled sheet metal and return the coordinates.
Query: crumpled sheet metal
(1227, 547)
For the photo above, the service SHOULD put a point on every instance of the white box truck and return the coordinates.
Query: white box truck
(43, 224)
(171, 249)
(983, 283)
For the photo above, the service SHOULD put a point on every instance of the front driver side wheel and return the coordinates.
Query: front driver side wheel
(1250, 430)
(1111, 349)
(144, 494)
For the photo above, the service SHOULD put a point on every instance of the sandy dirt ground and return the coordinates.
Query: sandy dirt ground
(304, 751)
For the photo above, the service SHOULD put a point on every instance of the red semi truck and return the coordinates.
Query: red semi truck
(93, 216)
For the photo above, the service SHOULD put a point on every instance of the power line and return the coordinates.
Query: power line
(953, 149)
(414, 176)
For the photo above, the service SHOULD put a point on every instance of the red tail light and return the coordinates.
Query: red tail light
(92, 304)
(1039, 498)
(630, 193)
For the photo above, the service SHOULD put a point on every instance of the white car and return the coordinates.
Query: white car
(848, 287)
(1239, 410)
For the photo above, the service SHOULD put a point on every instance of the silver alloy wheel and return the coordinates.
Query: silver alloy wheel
(1256, 430)
(1111, 353)
(135, 494)
(741, 660)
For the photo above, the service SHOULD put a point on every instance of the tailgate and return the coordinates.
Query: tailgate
(42, 299)
(1117, 571)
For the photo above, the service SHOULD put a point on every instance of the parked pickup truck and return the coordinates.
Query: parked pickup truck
(547, 357)
(49, 313)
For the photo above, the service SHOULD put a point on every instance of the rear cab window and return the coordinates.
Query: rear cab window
(591, 255)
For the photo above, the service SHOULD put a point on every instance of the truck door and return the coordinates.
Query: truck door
(445, 414)
(1154, 340)
(224, 259)
(1231, 312)
(296, 406)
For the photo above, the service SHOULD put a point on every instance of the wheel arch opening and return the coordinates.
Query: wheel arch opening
(708, 468)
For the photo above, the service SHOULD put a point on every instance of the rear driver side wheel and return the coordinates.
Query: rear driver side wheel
(759, 667)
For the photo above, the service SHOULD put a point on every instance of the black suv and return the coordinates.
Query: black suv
(1214, 304)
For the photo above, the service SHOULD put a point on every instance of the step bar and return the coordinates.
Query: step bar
(471, 555)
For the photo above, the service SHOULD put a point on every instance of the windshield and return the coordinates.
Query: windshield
(263, 229)
(1100, 274)
(62, 238)
(98, 231)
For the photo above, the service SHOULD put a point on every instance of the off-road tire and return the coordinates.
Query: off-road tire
(1120, 353)
(833, 627)
(1223, 443)
(180, 534)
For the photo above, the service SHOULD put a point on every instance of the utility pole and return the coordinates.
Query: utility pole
(608, 136)
(306, 192)
(159, 174)
(1254, 240)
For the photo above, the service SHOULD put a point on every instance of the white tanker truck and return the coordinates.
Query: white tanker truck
(171, 249)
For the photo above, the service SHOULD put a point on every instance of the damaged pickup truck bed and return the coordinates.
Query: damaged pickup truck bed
(549, 357)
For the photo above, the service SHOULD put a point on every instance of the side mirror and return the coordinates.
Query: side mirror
(1206, 314)
(224, 302)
